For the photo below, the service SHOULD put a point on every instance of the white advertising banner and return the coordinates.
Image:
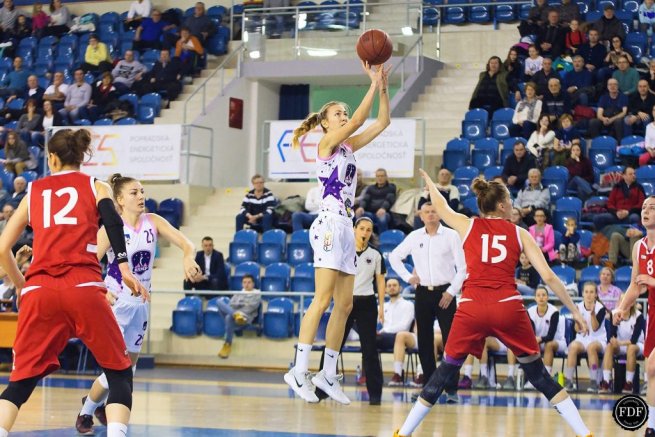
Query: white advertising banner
(144, 152)
(392, 150)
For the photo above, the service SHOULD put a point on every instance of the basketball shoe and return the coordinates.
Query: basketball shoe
(396, 433)
(301, 385)
(331, 386)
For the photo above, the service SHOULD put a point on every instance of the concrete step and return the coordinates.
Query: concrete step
(444, 98)
(434, 105)
(464, 89)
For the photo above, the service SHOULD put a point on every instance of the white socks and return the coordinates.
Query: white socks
(484, 370)
(3, 432)
(415, 417)
(549, 369)
(115, 429)
(89, 406)
(568, 373)
(593, 373)
(570, 413)
(468, 370)
(607, 375)
(629, 376)
(302, 357)
(330, 362)
(398, 367)
(510, 370)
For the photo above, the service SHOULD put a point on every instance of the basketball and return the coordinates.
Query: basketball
(374, 46)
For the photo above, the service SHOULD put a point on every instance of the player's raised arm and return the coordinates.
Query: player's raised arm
(166, 230)
(384, 115)
(455, 220)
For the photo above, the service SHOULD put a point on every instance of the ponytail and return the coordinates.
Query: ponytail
(306, 126)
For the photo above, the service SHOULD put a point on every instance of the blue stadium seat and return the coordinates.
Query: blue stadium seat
(557, 188)
(636, 43)
(217, 11)
(569, 204)
(299, 250)
(459, 144)
(474, 125)
(104, 122)
(472, 205)
(305, 270)
(488, 143)
(132, 98)
(30, 175)
(466, 173)
(110, 17)
(601, 158)
(645, 173)
(556, 172)
(501, 121)
(187, 317)
(453, 159)
(524, 10)
(272, 249)
(649, 188)
(126, 121)
(146, 114)
(631, 6)
(70, 39)
(152, 99)
(430, 17)
(464, 191)
(213, 322)
(278, 318)
(504, 13)
(151, 204)
(7, 178)
(276, 277)
(243, 246)
(591, 273)
(83, 122)
(622, 277)
(483, 158)
(456, 14)
(17, 104)
(392, 236)
(478, 14)
(301, 284)
(248, 267)
(565, 273)
(560, 218)
(604, 142)
(492, 172)
(172, 208)
(585, 238)
(29, 41)
(151, 55)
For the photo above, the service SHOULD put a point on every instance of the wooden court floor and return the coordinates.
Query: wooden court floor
(209, 402)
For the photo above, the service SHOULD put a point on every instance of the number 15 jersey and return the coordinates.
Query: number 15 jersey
(491, 248)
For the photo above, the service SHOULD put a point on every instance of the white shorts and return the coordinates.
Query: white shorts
(586, 340)
(561, 348)
(333, 239)
(132, 317)
(624, 349)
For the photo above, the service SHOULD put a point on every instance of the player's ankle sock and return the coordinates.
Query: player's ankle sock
(570, 413)
(607, 375)
(549, 369)
(593, 373)
(414, 418)
(302, 357)
(568, 373)
(629, 376)
(484, 370)
(115, 429)
(468, 370)
(89, 406)
(510, 370)
(3, 432)
(330, 362)
(651, 416)
(398, 367)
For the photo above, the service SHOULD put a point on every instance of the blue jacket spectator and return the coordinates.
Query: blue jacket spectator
(612, 107)
(579, 83)
(148, 34)
(16, 80)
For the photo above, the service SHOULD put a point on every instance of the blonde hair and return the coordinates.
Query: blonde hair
(314, 119)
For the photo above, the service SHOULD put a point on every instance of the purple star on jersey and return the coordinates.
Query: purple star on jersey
(332, 185)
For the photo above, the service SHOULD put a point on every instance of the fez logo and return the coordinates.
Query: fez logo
(104, 154)
(307, 149)
(630, 412)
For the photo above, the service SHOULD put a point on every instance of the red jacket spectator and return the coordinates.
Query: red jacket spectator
(626, 197)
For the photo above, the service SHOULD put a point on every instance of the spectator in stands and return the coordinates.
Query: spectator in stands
(567, 135)
(650, 76)
(377, 201)
(622, 240)
(188, 49)
(608, 26)
(360, 188)
(257, 206)
(612, 108)
(50, 116)
(569, 246)
(7, 212)
(447, 190)
(241, 310)
(527, 112)
(30, 122)
(574, 37)
(517, 166)
(165, 77)
(544, 234)
(608, 293)
(537, 17)
(533, 62)
(277, 31)
(56, 93)
(78, 95)
(15, 81)
(626, 75)
(20, 190)
(8, 16)
(611, 61)
(40, 20)
(551, 37)
(624, 203)
(579, 83)
(647, 20)
(126, 72)
(543, 76)
(33, 91)
(17, 157)
(199, 24)
(96, 57)
(533, 197)
(60, 19)
(581, 173)
(555, 102)
(491, 91)
(640, 108)
(492, 344)
(568, 12)
(22, 29)
(516, 218)
(139, 9)
(542, 141)
(512, 65)
(303, 219)
(104, 98)
(648, 157)
(212, 269)
(527, 277)
(149, 33)
(593, 53)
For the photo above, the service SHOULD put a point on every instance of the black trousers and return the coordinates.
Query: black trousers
(426, 308)
(365, 314)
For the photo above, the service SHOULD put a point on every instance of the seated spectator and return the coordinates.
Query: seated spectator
(150, 31)
(377, 201)
(537, 16)
(569, 248)
(60, 19)
(20, 190)
(650, 76)
(542, 141)
(78, 96)
(447, 190)
(648, 157)
(622, 240)
(608, 293)
(533, 62)
(30, 122)
(581, 173)
(526, 113)
(8, 16)
(22, 28)
(40, 20)
(544, 234)
(579, 83)
(395, 332)
(491, 91)
(532, 197)
(592, 343)
(104, 98)
(199, 24)
(542, 76)
(165, 77)
(17, 157)
(56, 93)
(15, 81)
(50, 117)
(566, 136)
(624, 203)
(611, 61)
(574, 37)
(126, 72)
(360, 188)
(512, 65)
(608, 26)
(4, 197)
(241, 310)
(257, 207)
(527, 277)
(212, 269)
(517, 167)
(188, 49)
(550, 38)
(96, 57)
(555, 102)
(139, 9)
(516, 218)
(303, 219)
(593, 53)
(33, 91)
(7, 212)
(626, 75)
(494, 345)
(545, 319)
(640, 109)
(647, 17)
(612, 108)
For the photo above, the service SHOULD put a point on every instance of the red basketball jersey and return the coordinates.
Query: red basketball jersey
(647, 267)
(492, 248)
(64, 216)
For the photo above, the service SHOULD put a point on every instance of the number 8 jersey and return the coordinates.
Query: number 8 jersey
(492, 247)
(63, 214)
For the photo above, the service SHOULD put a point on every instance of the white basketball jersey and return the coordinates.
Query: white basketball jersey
(338, 177)
(141, 243)
(627, 327)
(542, 323)
(601, 333)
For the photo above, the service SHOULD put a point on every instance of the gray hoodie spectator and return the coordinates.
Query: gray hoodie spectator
(127, 71)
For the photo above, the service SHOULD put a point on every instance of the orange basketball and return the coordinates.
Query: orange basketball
(374, 46)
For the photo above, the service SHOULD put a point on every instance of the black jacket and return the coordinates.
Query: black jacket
(513, 167)
(165, 74)
(216, 268)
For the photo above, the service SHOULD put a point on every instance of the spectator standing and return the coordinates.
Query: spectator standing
(257, 206)
(8, 16)
(150, 31)
(492, 90)
(534, 196)
(241, 310)
(303, 219)
(212, 269)
(377, 201)
(40, 20)
(199, 24)
(568, 12)
(624, 203)
(551, 37)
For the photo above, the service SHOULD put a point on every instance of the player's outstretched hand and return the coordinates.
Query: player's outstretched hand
(191, 269)
(617, 317)
(426, 177)
(133, 283)
(580, 324)
(23, 255)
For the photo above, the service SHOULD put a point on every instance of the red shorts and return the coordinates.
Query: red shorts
(49, 317)
(649, 344)
(475, 321)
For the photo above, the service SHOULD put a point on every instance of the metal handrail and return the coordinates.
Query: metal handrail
(419, 61)
(221, 67)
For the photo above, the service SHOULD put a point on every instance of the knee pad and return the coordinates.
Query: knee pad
(438, 381)
(120, 387)
(537, 374)
(18, 392)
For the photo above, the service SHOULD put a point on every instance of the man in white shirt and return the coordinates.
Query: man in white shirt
(303, 220)
(439, 271)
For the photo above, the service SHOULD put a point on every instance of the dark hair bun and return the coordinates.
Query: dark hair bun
(480, 186)
(115, 178)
